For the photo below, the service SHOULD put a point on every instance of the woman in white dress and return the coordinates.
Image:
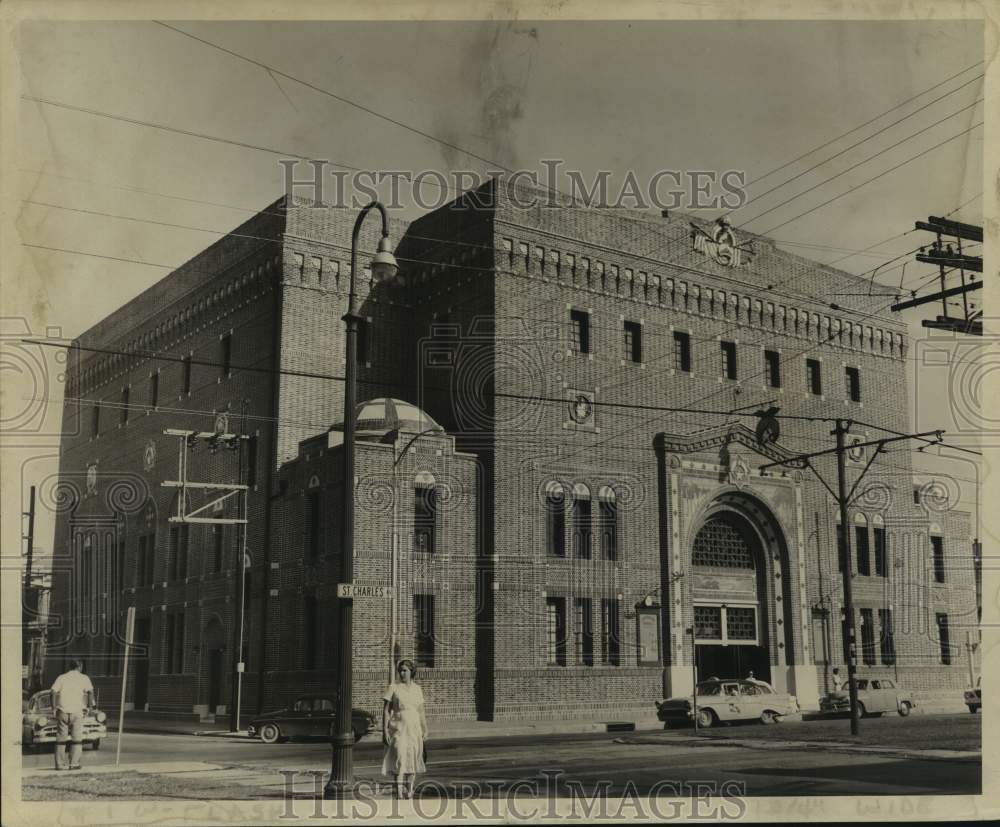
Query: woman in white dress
(404, 727)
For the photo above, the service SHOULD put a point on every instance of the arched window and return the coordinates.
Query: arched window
(424, 513)
(555, 519)
(581, 521)
(608, 522)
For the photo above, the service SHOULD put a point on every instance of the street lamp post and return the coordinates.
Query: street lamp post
(341, 781)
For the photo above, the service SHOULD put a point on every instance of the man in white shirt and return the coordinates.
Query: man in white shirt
(72, 698)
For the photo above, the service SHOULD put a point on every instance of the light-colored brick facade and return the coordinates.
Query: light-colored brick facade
(485, 336)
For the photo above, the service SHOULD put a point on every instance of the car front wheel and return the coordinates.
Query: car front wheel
(862, 712)
(904, 709)
(270, 734)
(769, 716)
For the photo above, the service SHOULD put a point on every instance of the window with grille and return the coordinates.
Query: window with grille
(610, 632)
(944, 638)
(728, 351)
(864, 555)
(424, 518)
(881, 552)
(725, 625)
(937, 548)
(887, 637)
(633, 342)
(581, 527)
(813, 377)
(772, 368)
(584, 631)
(555, 627)
(720, 545)
(423, 629)
(682, 351)
(608, 511)
(580, 331)
(708, 623)
(853, 379)
(868, 637)
(741, 623)
(555, 523)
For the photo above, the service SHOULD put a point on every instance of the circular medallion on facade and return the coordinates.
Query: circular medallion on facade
(149, 455)
(581, 409)
(92, 478)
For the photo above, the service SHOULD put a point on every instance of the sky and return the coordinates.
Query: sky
(616, 96)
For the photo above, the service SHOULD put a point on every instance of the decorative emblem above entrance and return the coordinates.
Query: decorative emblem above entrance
(721, 244)
(580, 410)
(222, 423)
(92, 478)
(739, 472)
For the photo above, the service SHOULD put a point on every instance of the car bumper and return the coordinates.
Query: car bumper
(91, 733)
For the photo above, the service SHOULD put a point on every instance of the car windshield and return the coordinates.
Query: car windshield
(43, 703)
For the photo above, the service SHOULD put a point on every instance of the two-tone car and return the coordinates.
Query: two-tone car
(973, 696)
(38, 723)
(310, 716)
(876, 696)
(728, 700)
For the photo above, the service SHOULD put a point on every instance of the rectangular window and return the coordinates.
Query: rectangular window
(581, 527)
(813, 379)
(124, 404)
(225, 354)
(313, 524)
(186, 375)
(179, 536)
(772, 368)
(310, 631)
(682, 351)
(580, 330)
(633, 342)
(168, 650)
(175, 643)
(608, 517)
(524, 251)
(423, 629)
(728, 359)
(364, 342)
(741, 623)
(540, 258)
(584, 631)
(853, 378)
(937, 548)
(867, 637)
(218, 538)
(887, 637)
(944, 638)
(610, 632)
(863, 554)
(95, 420)
(424, 518)
(881, 552)
(707, 623)
(154, 389)
(555, 617)
(555, 523)
(508, 248)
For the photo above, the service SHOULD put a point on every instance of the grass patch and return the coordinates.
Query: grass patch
(133, 786)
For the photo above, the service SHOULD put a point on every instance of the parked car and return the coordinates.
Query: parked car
(311, 716)
(38, 723)
(728, 700)
(974, 696)
(876, 696)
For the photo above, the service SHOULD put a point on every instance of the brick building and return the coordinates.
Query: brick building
(560, 531)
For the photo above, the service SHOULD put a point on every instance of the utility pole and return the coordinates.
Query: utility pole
(239, 666)
(844, 499)
(29, 595)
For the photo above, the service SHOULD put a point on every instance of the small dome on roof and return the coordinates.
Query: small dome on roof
(378, 417)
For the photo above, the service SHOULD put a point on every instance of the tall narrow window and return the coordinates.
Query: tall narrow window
(633, 342)
(555, 620)
(95, 419)
(364, 342)
(813, 377)
(584, 631)
(881, 552)
(124, 404)
(852, 377)
(313, 522)
(937, 548)
(225, 354)
(861, 540)
(728, 350)
(682, 351)
(218, 546)
(944, 638)
(310, 631)
(868, 637)
(772, 368)
(154, 389)
(579, 331)
(186, 375)
(887, 637)
(610, 632)
(581, 524)
(608, 521)
(555, 522)
(423, 629)
(424, 518)
(179, 535)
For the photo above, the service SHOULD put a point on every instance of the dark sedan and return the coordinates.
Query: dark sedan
(311, 716)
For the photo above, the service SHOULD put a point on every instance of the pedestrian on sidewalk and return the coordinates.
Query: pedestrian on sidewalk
(72, 699)
(404, 728)
(836, 680)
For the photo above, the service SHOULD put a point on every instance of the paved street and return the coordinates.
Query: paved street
(589, 762)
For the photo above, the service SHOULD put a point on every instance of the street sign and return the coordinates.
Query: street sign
(362, 590)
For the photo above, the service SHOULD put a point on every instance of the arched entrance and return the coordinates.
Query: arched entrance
(738, 566)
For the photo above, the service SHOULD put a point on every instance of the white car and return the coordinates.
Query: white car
(38, 723)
